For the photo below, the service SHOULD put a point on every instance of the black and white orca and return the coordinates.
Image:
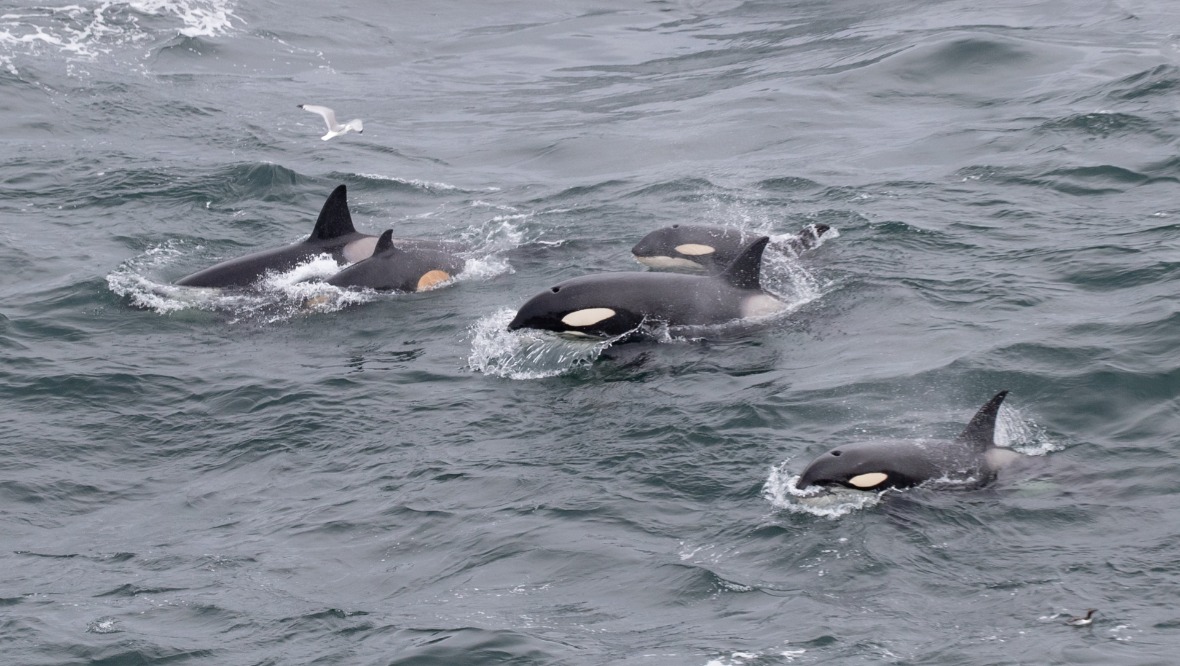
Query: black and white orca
(394, 268)
(611, 304)
(333, 234)
(971, 460)
(707, 248)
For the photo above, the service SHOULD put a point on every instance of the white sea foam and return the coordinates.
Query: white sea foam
(495, 235)
(527, 354)
(480, 203)
(781, 491)
(484, 268)
(749, 658)
(103, 625)
(430, 186)
(279, 295)
(200, 18)
(319, 267)
(87, 30)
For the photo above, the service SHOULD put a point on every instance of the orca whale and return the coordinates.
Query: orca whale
(971, 460)
(610, 304)
(698, 247)
(333, 234)
(393, 268)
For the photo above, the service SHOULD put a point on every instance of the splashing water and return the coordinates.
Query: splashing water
(782, 492)
(1023, 435)
(202, 18)
(527, 354)
(279, 297)
(783, 240)
(498, 234)
(786, 278)
(753, 658)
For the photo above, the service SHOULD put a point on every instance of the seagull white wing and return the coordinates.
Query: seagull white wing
(328, 114)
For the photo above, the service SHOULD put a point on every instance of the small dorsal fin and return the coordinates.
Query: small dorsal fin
(384, 243)
(981, 431)
(743, 271)
(334, 220)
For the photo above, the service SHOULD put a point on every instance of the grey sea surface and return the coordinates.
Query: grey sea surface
(247, 478)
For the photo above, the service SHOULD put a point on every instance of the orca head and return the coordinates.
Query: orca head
(684, 246)
(868, 466)
(566, 308)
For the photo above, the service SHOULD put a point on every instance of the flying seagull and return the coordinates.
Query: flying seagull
(334, 128)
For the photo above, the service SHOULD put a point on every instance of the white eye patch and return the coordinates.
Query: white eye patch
(587, 317)
(868, 480)
(695, 250)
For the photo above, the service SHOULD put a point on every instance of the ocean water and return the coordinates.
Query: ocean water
(195, 477)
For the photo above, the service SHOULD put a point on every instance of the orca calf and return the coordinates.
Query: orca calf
(392, 268)
(334, 234)
(972, 459)
(610, 304)
(695, 247)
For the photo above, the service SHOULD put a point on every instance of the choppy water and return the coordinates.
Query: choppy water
(394, 480)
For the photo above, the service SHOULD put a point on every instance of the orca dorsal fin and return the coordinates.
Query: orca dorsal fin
(334, 220)
(743, 271)
(981, 431)
(384, 243)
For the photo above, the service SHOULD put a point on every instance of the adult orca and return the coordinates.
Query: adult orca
(972, 459)
(698, 247)
(610, 304)
(333, 234)
(393, 268)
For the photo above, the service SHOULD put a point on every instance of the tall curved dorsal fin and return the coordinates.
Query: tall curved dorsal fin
(334, 220)
(743, 271)
(384, 243)
(981, 431)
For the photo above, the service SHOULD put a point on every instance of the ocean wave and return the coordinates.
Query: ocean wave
(88, 30)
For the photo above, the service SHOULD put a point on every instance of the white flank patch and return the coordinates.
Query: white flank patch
(360, 249)
(998, 458)
(669, 262)
(761, 305)
(695, 249)
(587, 317)
(868, 480)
